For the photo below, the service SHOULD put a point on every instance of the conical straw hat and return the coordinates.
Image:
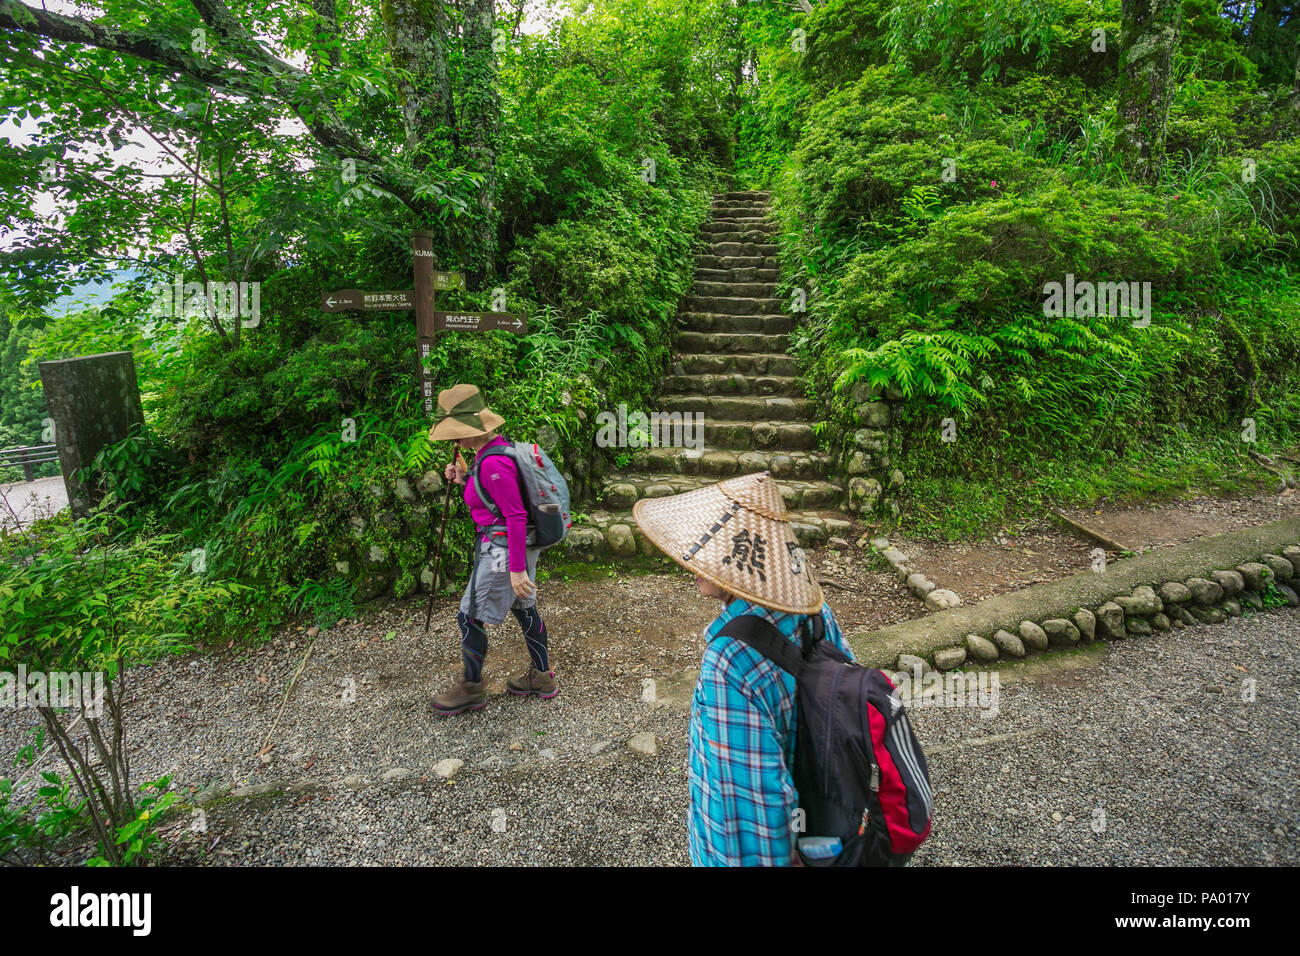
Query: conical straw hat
(737, 535)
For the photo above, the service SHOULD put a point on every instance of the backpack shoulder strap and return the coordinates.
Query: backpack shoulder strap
(814, 631)
(767, 640)
(479, 490)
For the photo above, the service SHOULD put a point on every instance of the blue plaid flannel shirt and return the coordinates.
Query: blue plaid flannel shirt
(742, 737)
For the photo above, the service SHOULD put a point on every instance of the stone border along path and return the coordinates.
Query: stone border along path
(1201, 582)
(935, 598)
(731, 366)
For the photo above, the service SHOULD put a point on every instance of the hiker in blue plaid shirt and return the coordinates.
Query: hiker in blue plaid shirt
(736, 539)
(742, 738)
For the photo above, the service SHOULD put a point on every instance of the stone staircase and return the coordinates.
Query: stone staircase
(732, 366)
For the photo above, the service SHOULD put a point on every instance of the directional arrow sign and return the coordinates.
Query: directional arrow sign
(345, 299)
(480, 322)
(448, 280)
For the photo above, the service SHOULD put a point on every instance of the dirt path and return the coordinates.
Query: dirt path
(1040, 551)
(31, 500)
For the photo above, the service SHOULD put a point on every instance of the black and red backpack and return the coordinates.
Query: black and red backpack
(858, 767)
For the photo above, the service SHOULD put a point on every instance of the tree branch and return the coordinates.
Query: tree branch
(292, 86)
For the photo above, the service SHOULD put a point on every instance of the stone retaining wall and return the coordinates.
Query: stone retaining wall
(864, 457)
(402, 511)
(605, 533)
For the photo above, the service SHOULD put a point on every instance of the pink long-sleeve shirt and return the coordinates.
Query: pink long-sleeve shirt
(500, 480)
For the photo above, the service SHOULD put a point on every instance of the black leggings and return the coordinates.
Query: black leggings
(474, 643)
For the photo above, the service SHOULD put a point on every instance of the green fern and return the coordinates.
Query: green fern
(419, 452)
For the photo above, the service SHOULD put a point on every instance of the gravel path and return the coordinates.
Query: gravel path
(1144, 748)
(32, 500)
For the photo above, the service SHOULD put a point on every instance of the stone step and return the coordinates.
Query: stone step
(738, 211)
(737, 275)
(732, 305)
(740, 235)
(743, 249)
(746, 436)
(704, 261)
(606, 534)
(720, 322)
(754, 408)
(720, 200)
(710, 342)
(733, 383)
(757, 364)
(724, 463)
(622, 491)
(740, 225)
(750, 194)
(731, 290)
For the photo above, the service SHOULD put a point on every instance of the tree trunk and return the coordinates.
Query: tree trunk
(1150, 35)
(327, 30)
(417, 46)
(736, 37)
(1264, 23)
(1295, 88)
(481, 122)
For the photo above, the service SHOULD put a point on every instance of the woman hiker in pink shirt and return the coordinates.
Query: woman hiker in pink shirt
(505, 567)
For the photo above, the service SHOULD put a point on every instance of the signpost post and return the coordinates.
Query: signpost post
(428, 323)
(422, 254)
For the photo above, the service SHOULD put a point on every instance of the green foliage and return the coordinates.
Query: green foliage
(324, 602)
(90, 598)
(934, 283)
(936, 164)
(33, 829)
(25, 829)
(138, 837)
(1271, 596)
(271, 454)
(21, 408)
(990, 478)
(975, 39)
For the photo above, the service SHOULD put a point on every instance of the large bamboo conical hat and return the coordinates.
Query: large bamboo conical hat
(736, 534)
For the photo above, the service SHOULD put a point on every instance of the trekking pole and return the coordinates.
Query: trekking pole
(437, 557)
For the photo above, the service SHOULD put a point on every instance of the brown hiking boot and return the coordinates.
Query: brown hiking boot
(533, 681)
(465, 695)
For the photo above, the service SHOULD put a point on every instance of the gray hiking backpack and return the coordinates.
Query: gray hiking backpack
(542, 488)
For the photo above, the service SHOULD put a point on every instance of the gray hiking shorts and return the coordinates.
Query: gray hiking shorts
(490, 581)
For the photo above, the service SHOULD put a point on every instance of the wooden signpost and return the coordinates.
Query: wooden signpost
(428, 323)
(355, 299)
(478, 322)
